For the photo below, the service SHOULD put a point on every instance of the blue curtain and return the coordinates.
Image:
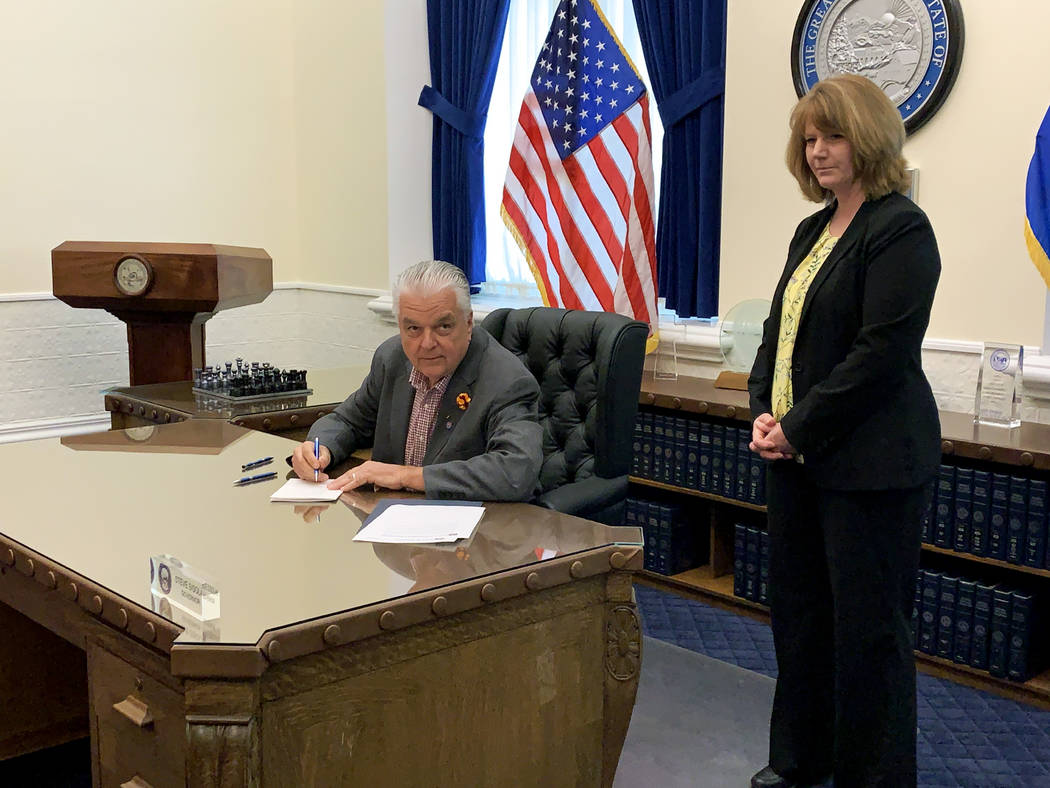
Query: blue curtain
(684, 46)
(465, 40)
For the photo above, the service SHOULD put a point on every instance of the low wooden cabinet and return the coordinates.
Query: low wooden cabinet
(1025, 450)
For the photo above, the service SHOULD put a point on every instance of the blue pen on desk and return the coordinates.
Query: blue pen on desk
(256, 463)
(259, 477)
(317, 454)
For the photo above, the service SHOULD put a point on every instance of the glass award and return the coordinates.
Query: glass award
(998, 400)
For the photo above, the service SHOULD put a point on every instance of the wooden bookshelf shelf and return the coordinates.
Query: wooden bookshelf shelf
(696, 493)
(1019, 452)
(980, 559)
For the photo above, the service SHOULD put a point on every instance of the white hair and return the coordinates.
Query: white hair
(430, 277)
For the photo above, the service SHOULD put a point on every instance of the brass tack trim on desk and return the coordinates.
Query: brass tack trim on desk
(28, 568)
(1027, 458)
(9, 557)
(333, 635)
(617, 560)
(122, 618)
(95, 604)
(388, 620)
(677, 403)
(947, 447)
(71, 591)
(439, 606)
(267, 423)
(731, 411)
(701, 407)
(48, 579)
(151, 632)
(532, 582)
(488, 592)
(167, 418)
(293, 419)
(153, 415)
(985, 452)
(273, 650)
(576, 570)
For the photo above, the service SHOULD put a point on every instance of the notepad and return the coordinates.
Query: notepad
(302, 491)
(422, 524)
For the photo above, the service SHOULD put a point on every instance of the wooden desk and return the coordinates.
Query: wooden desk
(334, 662)
(291, 416)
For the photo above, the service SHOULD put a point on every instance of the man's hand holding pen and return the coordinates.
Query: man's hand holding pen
(305, 462)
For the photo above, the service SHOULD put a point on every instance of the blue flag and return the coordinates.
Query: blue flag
(1037, 202)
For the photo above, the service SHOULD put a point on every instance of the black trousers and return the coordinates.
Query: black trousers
(842, 573)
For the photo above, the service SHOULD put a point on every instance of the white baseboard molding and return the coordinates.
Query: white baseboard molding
(52, 428)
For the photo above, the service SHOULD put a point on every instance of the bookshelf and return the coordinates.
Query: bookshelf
(1025, 450)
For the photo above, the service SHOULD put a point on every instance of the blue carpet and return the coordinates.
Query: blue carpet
(967, 737)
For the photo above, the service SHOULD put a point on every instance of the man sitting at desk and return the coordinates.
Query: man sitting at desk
(446, 409)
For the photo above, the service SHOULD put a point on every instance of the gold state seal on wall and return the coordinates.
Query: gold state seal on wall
(909, 48)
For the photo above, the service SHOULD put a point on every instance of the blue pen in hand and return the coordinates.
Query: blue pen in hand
(317, 454)
(259, 477)
(256, 463)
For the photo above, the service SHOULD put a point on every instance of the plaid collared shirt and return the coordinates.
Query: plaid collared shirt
(424, 410)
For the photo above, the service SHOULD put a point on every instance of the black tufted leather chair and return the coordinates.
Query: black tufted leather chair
(589, 367)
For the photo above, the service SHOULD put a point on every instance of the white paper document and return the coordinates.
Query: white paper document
(302, 491)
(422, 524)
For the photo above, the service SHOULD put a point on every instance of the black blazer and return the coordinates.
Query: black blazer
(864, 417)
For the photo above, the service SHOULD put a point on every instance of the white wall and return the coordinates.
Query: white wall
(160, 121)
(973, 158)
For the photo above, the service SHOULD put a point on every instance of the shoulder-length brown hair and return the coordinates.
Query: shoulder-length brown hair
(855, 107)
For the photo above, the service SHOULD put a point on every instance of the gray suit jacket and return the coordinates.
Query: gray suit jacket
(490, 451)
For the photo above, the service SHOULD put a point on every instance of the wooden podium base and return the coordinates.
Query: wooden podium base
(737, 381)
(163, 346)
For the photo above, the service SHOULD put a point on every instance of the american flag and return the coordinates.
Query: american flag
(579, 191)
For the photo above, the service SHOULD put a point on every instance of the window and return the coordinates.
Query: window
(528, 21)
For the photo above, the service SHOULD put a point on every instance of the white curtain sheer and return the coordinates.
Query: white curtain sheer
(528, 21)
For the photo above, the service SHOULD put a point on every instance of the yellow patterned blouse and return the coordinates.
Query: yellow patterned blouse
(794, 298)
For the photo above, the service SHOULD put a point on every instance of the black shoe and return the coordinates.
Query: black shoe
(767, 778)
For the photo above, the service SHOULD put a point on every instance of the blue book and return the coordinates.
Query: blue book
(926, 528)
(981, 515)
(692, 454)
(1035, 540)
(739, 557)
(729, 463)
(946, 617)
(718, 435)
(704, 472)
(1017, 664)
(944, 516)
(999, 632)
(756, 469)
(666, 560)
(916, 609)
(647, 445)
(763, 567)
(743, 464)
(931, 591)
(997, 523)
(982, 619)
(965, 597)
(1016, 519)
(637, 468)
(659, 427)
(652, 533)
(963, 507)
(751, 560)
(680, 441)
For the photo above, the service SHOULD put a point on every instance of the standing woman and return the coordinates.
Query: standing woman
(847, 420)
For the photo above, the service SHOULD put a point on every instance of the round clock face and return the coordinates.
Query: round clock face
(909, 48)
(133, 276)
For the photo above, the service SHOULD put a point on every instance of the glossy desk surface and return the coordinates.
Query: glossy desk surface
(101, 505)
(329, 387)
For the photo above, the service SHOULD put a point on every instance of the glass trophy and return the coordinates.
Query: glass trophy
(185, 595)
(999, 382)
